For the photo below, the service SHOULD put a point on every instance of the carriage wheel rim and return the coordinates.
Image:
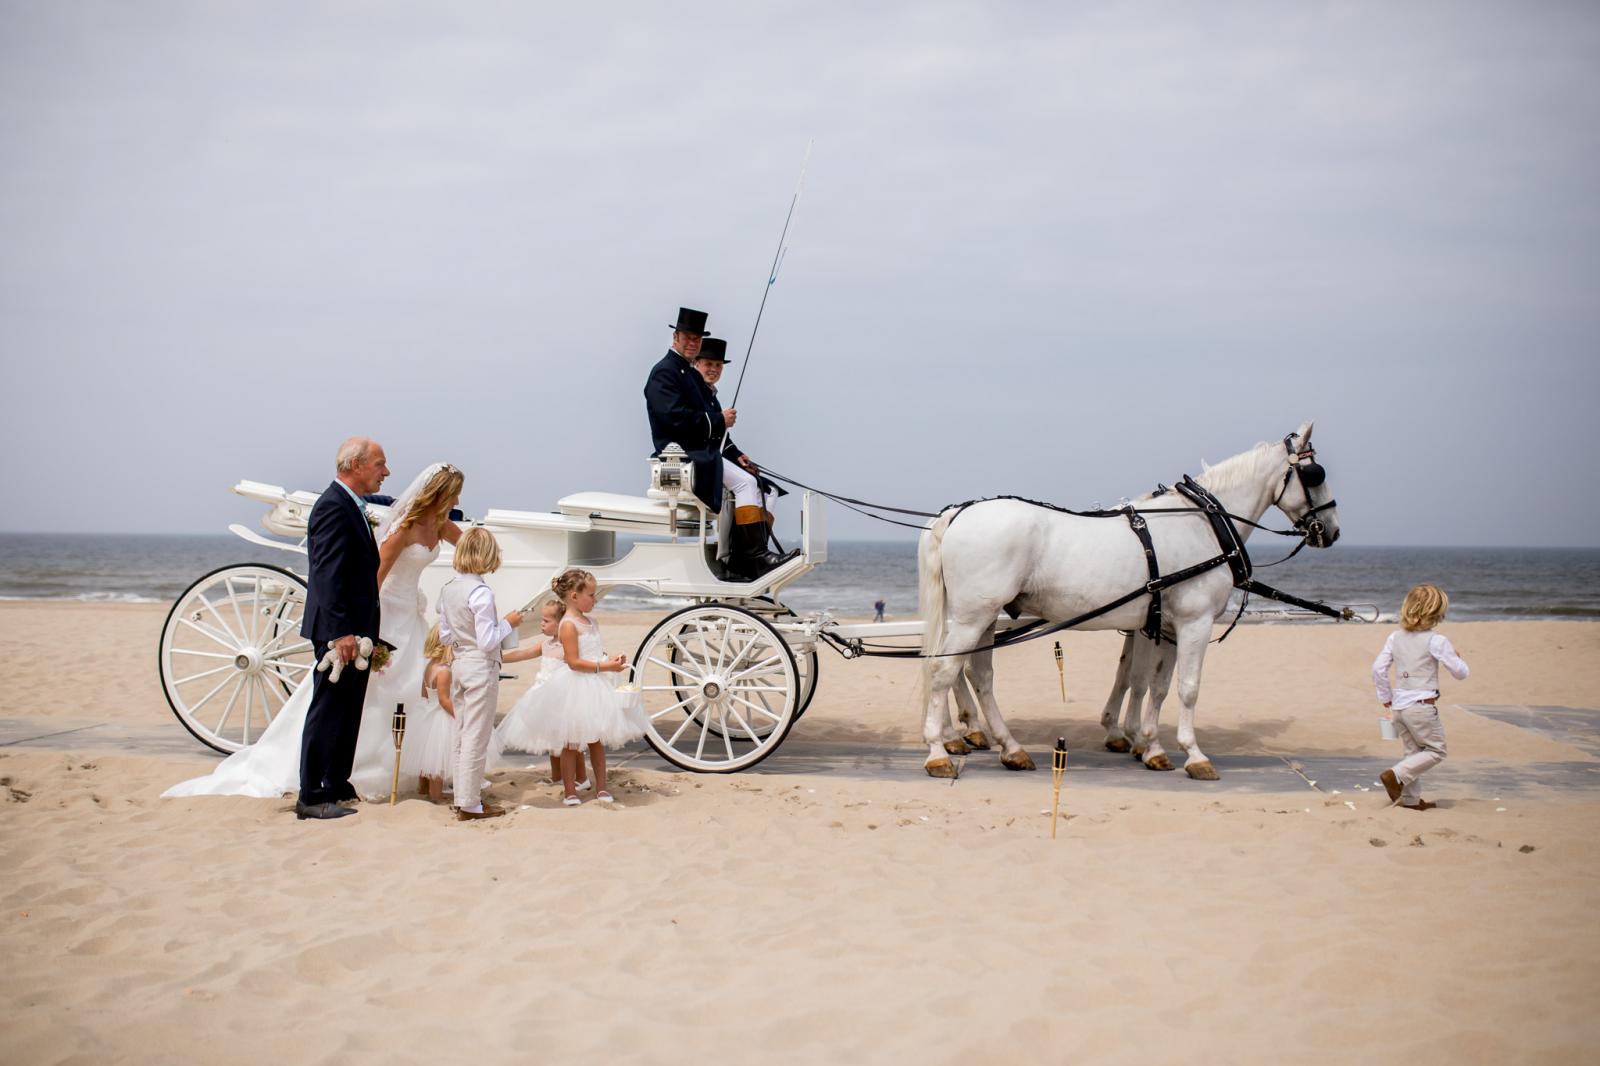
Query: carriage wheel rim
(707, 673)
(231, 656)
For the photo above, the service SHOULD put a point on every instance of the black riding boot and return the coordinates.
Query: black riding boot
(749, 557)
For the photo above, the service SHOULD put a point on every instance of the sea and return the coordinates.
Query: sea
(1483, 583)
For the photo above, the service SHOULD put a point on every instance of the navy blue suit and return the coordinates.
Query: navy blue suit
(683, 412)
(341, 601)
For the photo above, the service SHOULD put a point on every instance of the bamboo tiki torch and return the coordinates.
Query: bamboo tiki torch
(397, 726)
(1061, 670)
(1058, 770)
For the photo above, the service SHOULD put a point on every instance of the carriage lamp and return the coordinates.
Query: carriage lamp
(397, 726)
(671, 476)
(1058, 770)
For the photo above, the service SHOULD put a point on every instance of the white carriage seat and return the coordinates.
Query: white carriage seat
(290, 510)
(631, 511)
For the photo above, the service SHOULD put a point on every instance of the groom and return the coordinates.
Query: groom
(341, 607)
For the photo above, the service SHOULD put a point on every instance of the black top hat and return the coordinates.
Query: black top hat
(715, 349)
(690, 321)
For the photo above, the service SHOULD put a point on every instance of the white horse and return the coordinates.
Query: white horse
(1010, 554)
(1144, 673)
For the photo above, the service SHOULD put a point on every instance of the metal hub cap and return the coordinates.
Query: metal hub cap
(712, 688)
(248, 661)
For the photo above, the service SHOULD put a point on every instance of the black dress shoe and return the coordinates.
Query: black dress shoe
(321, 810)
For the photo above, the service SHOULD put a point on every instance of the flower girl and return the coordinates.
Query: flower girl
(579, 707)
(515, 732)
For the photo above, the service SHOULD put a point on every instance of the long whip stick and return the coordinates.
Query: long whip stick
(772, 275)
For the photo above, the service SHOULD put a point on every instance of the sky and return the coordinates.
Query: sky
(1063, 251)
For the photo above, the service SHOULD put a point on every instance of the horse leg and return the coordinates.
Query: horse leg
(1159, 667)
(942, 673)
(1140, 664)
(1192, 639)
(980, 668)
(972, 722)
(1116, 736)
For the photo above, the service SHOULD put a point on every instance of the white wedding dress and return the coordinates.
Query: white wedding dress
(270, 767)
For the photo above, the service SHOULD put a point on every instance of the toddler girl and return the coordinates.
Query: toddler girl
(583, 708)
(515, 732)
(1415, 651)
(430, 729)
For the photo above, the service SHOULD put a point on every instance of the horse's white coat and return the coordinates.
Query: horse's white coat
(1057, 566)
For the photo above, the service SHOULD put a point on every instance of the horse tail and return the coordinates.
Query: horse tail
(930, 596)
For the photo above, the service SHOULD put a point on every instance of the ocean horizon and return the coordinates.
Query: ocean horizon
(1483, 583)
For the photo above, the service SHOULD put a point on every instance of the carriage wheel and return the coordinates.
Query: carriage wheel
(805, 664)
(720, 686)
(231, 653)
(806, 661)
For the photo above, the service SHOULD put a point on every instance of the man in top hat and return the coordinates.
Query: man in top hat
(683, 411)
(752, 516)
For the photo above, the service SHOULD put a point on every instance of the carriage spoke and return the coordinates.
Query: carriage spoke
(285, 664)
(206, 654)
(207, 697)
(751, 733)
(758, 708)
(233, 602)
(669, 710)
(774, 662)
(722, 720)
(228, 710)
(222, 625)
(737, 659)
(687, 721)
(705, 728)
(675, 668)
(761, 688)
(203, 673)
(227, 640)
(255, 622)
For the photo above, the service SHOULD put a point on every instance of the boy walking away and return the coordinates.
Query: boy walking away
(1415, 652)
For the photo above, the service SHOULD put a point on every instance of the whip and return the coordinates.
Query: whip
(772, 275)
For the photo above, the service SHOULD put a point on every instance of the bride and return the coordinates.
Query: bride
(408, 540)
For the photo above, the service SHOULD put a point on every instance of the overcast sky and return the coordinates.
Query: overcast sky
(1056, 250)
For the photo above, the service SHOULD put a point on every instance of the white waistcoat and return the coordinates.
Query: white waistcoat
(1415, 667)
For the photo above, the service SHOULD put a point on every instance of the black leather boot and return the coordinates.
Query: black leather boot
(749, 557)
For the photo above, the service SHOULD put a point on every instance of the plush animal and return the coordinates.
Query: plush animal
(333, 665)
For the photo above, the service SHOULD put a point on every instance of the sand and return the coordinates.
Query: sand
(798, 915)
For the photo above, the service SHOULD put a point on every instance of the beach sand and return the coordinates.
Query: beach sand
(806, 915)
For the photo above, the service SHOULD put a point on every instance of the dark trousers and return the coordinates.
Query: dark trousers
(328, 740)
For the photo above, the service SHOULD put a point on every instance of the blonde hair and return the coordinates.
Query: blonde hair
(557, 607)
(434, 497)
(567, 582)
(477, 552)
(436, 652)
(1424, 608)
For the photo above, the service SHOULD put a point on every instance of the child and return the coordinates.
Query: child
(468, 623)
(1416, 651)
(515, 732)
(429, 746)
(581, 707)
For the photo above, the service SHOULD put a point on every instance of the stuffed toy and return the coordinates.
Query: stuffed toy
(333, 665)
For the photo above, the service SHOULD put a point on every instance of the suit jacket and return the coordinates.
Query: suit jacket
(342, 586)
(682, 411)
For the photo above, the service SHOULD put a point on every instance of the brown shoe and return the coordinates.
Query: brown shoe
(1420, 805)
(487, 812)
(1391, 785)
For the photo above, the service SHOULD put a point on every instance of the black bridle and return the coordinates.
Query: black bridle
(1303, 463)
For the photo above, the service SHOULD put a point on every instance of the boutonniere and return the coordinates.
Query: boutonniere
(372, 520)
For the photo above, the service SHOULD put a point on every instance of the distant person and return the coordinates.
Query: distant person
(877, 609)
(1415, 652)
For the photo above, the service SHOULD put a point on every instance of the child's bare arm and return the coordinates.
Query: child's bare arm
(522, 654)
(441, 681)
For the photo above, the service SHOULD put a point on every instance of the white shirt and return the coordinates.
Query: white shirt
(361, 505)
(490, 630)
(1439, 647)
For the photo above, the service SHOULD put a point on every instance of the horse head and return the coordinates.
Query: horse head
(1305, 496)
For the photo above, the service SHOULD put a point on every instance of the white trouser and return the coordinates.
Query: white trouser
(1423, 738)
(742, 484)
(475, 684)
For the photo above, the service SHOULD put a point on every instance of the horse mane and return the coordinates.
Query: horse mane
(1232, 472)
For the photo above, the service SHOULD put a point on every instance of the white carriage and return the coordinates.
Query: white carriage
(723, 678)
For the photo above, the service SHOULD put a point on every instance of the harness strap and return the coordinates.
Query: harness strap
(1152, 618)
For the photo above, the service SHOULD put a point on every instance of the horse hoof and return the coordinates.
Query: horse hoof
(1018, 760)
(1138, 753)
(1119, 745)
(940, 768)
(955, 747)
(977, 741)
(1201, 771)
(1158, 762)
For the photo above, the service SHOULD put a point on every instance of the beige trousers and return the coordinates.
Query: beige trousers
(475, 686)
(1423, 738)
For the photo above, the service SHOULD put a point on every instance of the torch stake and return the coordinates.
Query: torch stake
(1058, 770)
(397, 726)
(1061, 670)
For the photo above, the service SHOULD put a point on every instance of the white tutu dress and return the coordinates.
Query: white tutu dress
(575, 709)
(516, 730)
